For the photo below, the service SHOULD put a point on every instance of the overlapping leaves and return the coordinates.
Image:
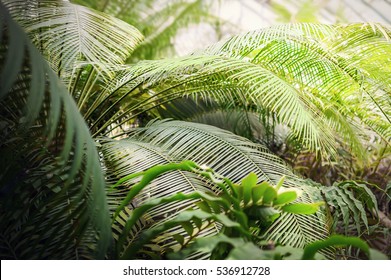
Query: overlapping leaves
(229, 155)
(53, 202)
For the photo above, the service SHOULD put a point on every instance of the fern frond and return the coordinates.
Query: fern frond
(351, 204)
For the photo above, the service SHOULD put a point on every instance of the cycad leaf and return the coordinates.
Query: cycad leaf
(231, 156)
(130, 156)
(300, 74)
(234, 157)
(53, 202)
(164, 24)
(232, 81)
(336, 65)
(90, 36)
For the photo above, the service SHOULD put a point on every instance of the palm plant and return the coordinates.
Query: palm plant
(329, 86)
(159, 21)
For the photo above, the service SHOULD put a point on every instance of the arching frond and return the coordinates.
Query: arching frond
(295, 73)
(130, 156)
(162, 27)
(343, 67)
(132, 12)
(92, 37)
(232, 81)
(50, 169)
(237, 120)
(160, 21)
(252, 39)
(229, 155)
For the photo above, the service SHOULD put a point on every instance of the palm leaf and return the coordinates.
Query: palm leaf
(229, 155)
(132, 12)
(228, 81)
(162, 26)
(91, 37)
(237, 120)
(96, 44)
(53, 202)
(342, 64)
(159, 22)
(130, 156)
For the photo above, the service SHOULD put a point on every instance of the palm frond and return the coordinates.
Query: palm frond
(251, 40)
(306, 75)
(53, 202)
(234, 81)
(132, 12)
(366, 50)
(334, 64)
(91, 37)
(213, 147)
(234, 157)
(237, 120)
(159, 22)
(130, 156)
(162, 27)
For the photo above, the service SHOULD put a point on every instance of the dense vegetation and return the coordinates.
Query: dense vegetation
(267, 145)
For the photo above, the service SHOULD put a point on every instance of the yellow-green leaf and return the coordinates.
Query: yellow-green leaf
(285, 198)
(248, 183)
(269, 195)
(280, 182)
(258, 192)
(302, 208)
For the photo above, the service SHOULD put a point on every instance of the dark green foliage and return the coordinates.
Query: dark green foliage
(241, 211)
(53, 201)
(177, 189)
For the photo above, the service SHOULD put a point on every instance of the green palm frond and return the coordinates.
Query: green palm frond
(334, 64)
(328, 85)
(91, 37)
(96, 44)
(237, 120)
(232, 157)
(366, 49)
(132, 12)
(161, 27)
(251, 40)
(159, 22)
(221, 150)
(230, 81)
(294, 73)
(50, 167)
(130, 156)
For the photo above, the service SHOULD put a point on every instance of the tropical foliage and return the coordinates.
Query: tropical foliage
(94, 166)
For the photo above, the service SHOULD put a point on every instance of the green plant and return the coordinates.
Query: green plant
(327, 85)
(165, 142)
(243, 211)
(53, 190)
(158, 22)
